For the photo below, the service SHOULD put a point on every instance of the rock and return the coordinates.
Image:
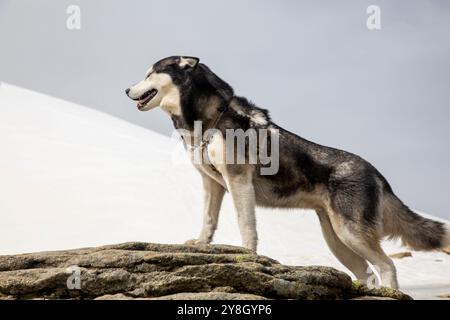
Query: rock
(401, 255)
(117, 296)
(6, 297)
(446, 250)
(211, 296)
(372, 298)
(160, 271)
(189, 296)
(362, 291)
(444, 296)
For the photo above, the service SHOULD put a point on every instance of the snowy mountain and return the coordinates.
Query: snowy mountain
(74, 177)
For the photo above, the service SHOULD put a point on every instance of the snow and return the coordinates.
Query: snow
(75, 177)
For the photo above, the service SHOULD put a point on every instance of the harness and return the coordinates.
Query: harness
(207, 139)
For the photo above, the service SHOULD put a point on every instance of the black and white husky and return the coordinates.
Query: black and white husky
(355, 204)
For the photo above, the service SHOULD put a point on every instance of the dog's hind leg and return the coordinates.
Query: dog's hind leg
(357, 265)
(213, 196)
(373, 252)
(355, 212)
(365, 244)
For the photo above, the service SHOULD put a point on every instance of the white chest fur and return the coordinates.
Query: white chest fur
(210, 159)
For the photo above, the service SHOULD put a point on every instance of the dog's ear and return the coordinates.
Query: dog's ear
(188, 62)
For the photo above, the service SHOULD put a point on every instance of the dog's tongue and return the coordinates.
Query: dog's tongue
(142, 102)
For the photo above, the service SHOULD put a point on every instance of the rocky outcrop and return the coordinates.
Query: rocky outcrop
(159, 271)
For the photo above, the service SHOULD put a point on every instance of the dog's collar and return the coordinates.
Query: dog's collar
(205, 141)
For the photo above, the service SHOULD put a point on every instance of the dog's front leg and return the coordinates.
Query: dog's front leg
(213, 196)
(243, 194)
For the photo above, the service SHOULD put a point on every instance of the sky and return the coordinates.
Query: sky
(382, 94)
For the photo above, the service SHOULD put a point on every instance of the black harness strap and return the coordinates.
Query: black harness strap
(205, 142)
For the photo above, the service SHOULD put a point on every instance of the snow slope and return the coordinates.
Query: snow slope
(73, 177)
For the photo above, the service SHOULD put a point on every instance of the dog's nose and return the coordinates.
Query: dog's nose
(127, 90)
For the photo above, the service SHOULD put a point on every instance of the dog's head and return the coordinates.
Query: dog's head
(162, 82)
(168, 78)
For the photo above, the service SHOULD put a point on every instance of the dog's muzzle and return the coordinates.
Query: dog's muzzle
(144, 99)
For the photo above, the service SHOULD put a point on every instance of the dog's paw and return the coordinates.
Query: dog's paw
(195, 241)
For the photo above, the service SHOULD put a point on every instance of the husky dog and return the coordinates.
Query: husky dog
(355, 204)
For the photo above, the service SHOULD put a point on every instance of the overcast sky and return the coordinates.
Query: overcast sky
(382, 94)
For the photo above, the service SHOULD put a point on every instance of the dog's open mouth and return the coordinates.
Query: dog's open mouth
(146, 97)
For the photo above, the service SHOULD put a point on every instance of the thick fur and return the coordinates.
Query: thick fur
(416, 232)
(355, 204)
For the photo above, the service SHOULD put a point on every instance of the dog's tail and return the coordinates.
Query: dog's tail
(416, 232)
